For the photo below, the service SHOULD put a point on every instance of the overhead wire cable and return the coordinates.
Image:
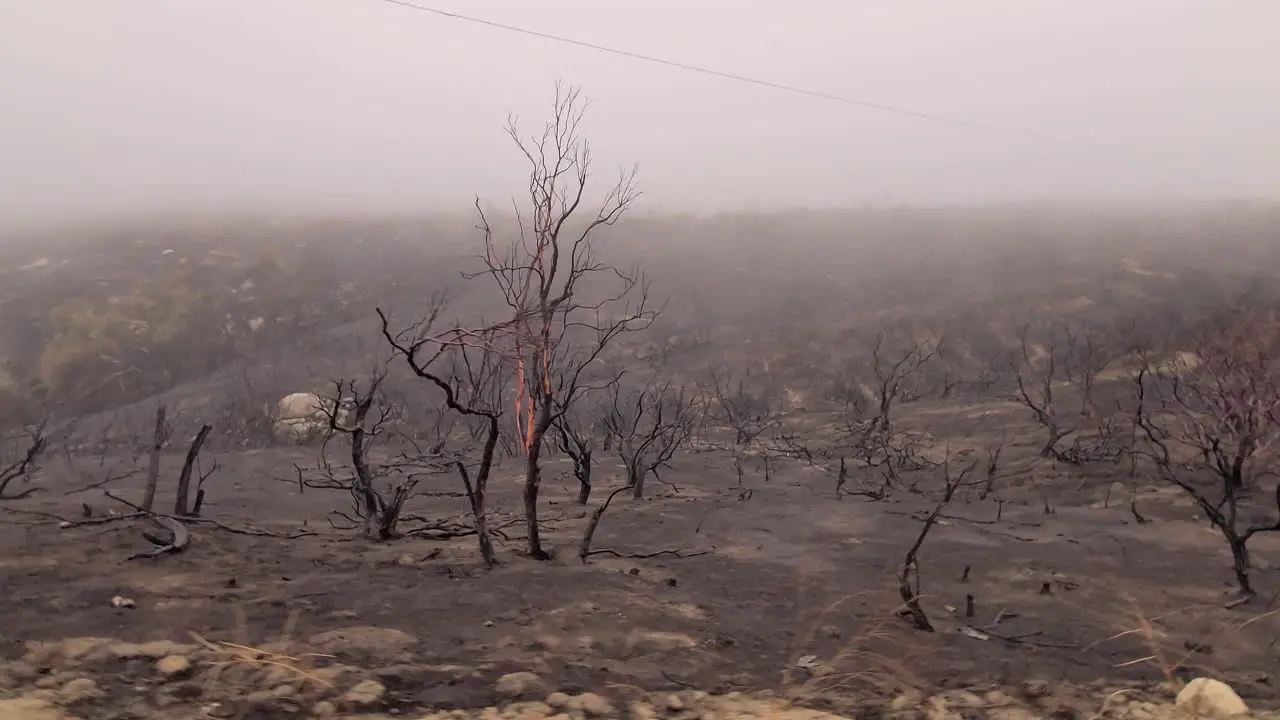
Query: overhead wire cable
(736, 77)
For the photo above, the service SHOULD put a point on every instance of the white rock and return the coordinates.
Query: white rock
(518, 683)
(1209, 698)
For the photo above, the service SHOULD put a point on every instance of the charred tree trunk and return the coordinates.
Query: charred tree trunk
(582, 471)
(1236, 479)
(371, 507)
(1240, 562)
(584, 548)
(476, 492)
(153, 464)
(635, 478)
(1056, 434)
(180, 505)
(533, 478)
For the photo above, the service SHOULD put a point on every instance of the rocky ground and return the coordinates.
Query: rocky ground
(713, 601)
(99, 678)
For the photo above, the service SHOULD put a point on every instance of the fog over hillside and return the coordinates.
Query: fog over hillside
(674, 361)
(121, 107)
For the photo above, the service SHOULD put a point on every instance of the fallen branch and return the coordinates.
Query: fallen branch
(584, 548)
(181, 538)
(109, 479)
(248, 531)
(1021, 639)
(585, 551)
(674, 552)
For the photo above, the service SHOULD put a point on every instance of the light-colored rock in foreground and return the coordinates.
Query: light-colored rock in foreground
(1209, 698)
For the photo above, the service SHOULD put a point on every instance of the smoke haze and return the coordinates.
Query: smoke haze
(133, 106)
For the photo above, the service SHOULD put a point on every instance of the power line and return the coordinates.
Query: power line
(822, 95)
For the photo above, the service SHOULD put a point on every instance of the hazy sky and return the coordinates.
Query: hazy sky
(137, 105)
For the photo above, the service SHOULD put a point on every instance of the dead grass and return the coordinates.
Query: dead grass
(234, 667)
(1164, 652)
(873, 656)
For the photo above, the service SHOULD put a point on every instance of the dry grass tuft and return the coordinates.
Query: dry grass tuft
(874, 656)
(1170, 658)
(239, 668)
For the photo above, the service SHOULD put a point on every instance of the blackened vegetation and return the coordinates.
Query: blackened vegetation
(1209, 419)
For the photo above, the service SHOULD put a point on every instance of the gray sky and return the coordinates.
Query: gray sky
(140, 105)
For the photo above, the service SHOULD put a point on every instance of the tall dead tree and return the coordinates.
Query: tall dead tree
(567, 305)
(1209, 421)
(648, 425)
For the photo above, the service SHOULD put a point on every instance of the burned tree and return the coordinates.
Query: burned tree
(868, 434)
(473, 390)
(467, 367)
(20, 455)
(182, 503)
(360, 412)
(1209, 422)
(746, 403)
(1040, 374)
(567, 305)
(647, 426)
(1089, 351)
(160, 439)
(955, 477)
(580, 433)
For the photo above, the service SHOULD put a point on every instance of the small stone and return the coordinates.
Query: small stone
(558, 700)
(675, 703)
(153, 650)
(78, 690)
(642, 711)
(364, 694)
(591, 704)
(1209, 698)
(120, 601)
(905, 701)
(1036, 689)
(50, 681)
(549, 643)
(518, 683)
(645, 641)
(29, 708)
(172, 666)
(533, 710)
(324, 709)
